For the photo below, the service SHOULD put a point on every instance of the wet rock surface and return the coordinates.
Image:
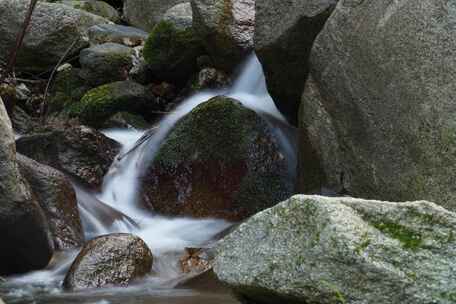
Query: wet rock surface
(55, 195)
(111, 260)
(79, 151)
(221, 161)
(312, 249)
(115, 33)
(26, 240)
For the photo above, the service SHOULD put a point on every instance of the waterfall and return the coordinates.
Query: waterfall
(117, 209)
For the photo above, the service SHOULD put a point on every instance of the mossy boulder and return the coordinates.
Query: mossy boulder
(110, 260)
(222, 161)
(102, 102)
(313, 249)
(106, 63)
(115, 33)
(172, 53)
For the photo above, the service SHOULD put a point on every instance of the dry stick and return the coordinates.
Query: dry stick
(43, 110)
(20, 38)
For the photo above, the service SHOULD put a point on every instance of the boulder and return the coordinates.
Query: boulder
(383, 75)
(106, 63)
(79, 151)
(171, 53)
(115, 33)
(100, 8)
(227, 28)
(284, 34)
(221, 161)
(181, 15)
(53, 28)
(312, 249)
(57, 198)
(110, 260)
(99, 104)
(26, 240)
(145, 14)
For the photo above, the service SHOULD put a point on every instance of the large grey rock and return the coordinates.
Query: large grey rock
(384, 74)
(79, 151)
(222, 160)
(284, 34)
(26, 242)
(313, 249)
(57, 198)
(115, 259)
(226, 27)
(146, 13)
(100, 8)
(106, 63)
(53, 28)
(181, 15)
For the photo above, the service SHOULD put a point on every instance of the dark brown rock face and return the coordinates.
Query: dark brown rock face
(110, 260)
(79, 151)
(57, 198)
(219, 161)
(26, 241)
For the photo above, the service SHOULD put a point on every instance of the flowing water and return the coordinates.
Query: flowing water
(116, 209)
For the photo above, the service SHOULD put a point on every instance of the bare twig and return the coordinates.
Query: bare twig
(20, 38)
(43, 110)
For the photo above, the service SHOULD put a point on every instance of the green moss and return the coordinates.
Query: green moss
(365, 242)
(170, 49)
(408, 238)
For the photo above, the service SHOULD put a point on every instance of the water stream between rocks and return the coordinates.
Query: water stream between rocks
(116, 209)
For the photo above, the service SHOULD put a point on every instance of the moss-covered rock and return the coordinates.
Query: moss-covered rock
(219, 161)
(171, 53)
(313, 249)
(102, 102)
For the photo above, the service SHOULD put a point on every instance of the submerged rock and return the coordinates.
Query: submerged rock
(222, 161)
(57, 198)
(99, 104)
(226, 27)
(106, 63)
(53, 28)
(26, 240)
(379, 72)
(171, 53)
(312, 249)
(110, 260)
(77, 150)
(145, 14)
(284, 34)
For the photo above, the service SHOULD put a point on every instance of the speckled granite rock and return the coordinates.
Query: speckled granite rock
(312, 249)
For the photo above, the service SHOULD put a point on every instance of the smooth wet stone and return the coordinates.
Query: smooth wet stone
(55, 194)
(110, 260)
(313, 249)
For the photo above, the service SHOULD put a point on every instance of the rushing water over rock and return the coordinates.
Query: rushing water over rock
(117, 207)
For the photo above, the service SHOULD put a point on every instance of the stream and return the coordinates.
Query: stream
(117, 209)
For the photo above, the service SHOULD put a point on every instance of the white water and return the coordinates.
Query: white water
(116, 208)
